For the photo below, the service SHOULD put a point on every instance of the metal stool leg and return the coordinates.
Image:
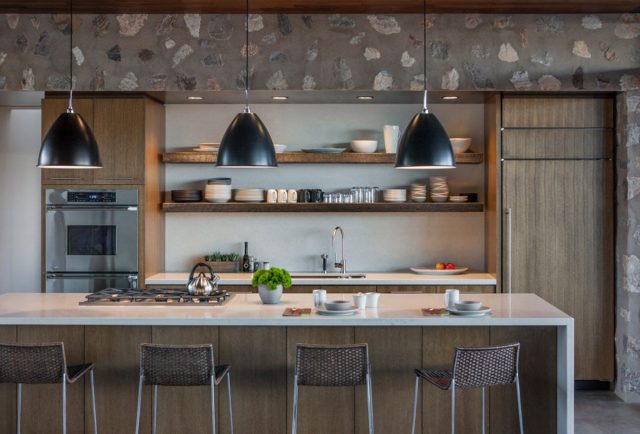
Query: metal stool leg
(453, 406)
(93, 402)
(19, 415)
(230, 406)
(519, 404)
(139, 404)
(213, 405)
(64, 403)
(370, 403)
(294, 421)
(415, 405)
(483, 422)
(155, 409)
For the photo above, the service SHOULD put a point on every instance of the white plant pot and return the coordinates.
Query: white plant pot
(268, 295)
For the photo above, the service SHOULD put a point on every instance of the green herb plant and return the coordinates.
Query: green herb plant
(222, 257)
(272, 278)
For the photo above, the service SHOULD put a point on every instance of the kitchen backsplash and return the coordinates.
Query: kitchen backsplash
(144, 52)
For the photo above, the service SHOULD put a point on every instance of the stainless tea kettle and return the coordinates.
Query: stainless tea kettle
(202, 284)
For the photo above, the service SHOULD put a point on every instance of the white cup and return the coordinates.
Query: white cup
(292, 195)
(372, 299)
(391, 136)
(451, 297)
(360, 300)
(319, 297)
(282, 196)
(272, 196)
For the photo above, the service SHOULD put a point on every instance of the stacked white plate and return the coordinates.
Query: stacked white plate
(439, 188)
(459, 198)
(418, 193)
(218, 190)
(394, 195)
(207, 147)
(249, 195)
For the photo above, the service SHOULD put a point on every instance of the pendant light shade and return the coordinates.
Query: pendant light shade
(69, 144)
(425, 145)
(246, 143)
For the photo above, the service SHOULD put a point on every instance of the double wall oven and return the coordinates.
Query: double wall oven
(91, 239)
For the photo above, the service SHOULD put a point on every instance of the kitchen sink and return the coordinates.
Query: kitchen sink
(328, 276)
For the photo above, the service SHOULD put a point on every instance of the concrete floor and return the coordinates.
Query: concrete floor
(599, 412)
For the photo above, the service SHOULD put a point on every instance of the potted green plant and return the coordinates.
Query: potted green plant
(223, 262)
(270, 284)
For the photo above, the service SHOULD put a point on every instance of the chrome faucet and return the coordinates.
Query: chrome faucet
(342, 264)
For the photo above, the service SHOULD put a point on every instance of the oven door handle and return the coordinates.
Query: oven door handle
(93, 208)
(130, 276)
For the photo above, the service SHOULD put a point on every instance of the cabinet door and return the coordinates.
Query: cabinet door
(562, 248)
(51, 109)
(119, 130)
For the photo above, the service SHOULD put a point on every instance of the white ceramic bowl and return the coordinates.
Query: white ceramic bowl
(468, 305)
(279, 148)
(460, 144)
(364, 146)
(337, 305)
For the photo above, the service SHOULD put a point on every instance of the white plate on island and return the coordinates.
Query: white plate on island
(484, 310)
(337, 312)
(435, 272)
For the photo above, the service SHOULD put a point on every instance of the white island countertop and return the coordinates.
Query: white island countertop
(246, 310)
(400, 278)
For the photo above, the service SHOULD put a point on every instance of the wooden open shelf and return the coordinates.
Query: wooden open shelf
(196, 157)
(322, 207)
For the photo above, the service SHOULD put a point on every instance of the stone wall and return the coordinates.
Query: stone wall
(628, 248)
(380, 52)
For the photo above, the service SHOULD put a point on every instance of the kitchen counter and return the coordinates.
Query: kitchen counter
(406, 278)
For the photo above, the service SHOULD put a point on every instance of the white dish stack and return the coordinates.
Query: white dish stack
(418, 193)
(394, 195)
(249, 195)
(218, 190)
(439, 188)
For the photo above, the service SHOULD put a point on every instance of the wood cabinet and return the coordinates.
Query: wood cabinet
(560, 204)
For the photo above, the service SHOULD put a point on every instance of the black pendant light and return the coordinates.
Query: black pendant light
(69, 143)
(425, 144)
(246, 143)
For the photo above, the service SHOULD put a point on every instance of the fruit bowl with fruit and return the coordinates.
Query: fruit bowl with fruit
(441, 268)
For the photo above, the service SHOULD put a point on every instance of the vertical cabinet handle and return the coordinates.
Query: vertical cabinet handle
(508, 214)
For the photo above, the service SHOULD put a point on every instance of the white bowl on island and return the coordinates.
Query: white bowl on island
(364, 146)
(460, 144)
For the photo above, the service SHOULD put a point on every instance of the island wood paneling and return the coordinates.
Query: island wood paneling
(42, 403)
(537, 382)
(258, 359)
(394, 354)
(563, 248)
(195, 417)
(320, 409)
(438, 348)
(557, 143)
(557, 112)
(8, 335)
(115, 350)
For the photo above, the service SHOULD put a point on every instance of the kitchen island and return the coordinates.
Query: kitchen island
(259, 344)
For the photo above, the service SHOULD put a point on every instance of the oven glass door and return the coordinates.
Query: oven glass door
(92, 240)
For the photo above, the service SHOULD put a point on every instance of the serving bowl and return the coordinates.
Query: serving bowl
(468, 305)
(337, 305)
(460, 144)
(364, 146)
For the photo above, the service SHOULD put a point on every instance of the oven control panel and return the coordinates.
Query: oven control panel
(91, 196)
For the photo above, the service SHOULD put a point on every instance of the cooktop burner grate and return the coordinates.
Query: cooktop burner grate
(155, 296)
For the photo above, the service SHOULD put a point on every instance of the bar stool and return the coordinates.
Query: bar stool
(332, 365)
(42, 364)
(181, 365)
(474, 368)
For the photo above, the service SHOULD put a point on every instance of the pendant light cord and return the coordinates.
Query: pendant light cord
(246, 64)
(70, 107)
(424, 58)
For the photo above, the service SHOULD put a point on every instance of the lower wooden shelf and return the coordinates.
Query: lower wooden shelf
(322, 207)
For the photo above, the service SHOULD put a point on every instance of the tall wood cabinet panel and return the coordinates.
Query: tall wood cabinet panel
(51, 109)
(557, 112)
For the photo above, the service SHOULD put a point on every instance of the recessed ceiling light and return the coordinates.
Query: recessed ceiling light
(194, 98)
(451, 97)
(280, 97)
(365, 97)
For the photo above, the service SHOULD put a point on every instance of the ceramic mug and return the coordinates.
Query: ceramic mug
(292, 196)
(391, 135)
(360, 300)
(272, 196)
(451, 297)
(372, 299)
(282, 195)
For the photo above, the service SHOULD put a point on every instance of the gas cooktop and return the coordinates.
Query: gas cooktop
(155, 296)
